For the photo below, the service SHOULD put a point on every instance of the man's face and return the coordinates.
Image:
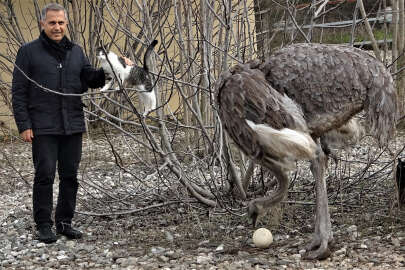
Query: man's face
(54, 24)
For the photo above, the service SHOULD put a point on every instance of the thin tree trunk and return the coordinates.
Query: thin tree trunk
(75, 23)
(369, 30)
(401, 60)
(263, 15)
(394, 26)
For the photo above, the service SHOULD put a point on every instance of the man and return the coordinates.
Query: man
(53, 123)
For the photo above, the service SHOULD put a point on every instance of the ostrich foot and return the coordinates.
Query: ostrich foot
(318, 249)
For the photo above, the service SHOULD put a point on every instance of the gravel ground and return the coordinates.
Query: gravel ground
(183, 237)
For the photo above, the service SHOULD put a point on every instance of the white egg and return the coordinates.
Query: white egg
(262, 238)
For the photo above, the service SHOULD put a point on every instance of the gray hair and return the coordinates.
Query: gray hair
(52, 6)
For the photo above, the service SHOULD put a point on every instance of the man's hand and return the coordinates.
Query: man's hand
(27, 135)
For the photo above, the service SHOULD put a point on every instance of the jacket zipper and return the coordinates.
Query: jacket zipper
(59, 67)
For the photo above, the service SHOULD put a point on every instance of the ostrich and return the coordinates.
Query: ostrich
(296, 105)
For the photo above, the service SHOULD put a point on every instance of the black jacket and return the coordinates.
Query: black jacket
(44, 112)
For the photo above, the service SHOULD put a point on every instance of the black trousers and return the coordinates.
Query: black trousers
(47, 152)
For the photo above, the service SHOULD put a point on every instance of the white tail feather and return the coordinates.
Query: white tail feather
(285, 143)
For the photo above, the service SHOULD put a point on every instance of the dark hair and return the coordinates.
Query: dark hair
(52, 6)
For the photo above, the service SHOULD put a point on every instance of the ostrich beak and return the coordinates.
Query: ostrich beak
(253, 213)
(254, 217)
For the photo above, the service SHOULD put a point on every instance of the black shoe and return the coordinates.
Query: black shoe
(67, 230)
(45, 234)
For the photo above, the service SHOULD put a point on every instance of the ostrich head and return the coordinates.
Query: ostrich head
(255, 211)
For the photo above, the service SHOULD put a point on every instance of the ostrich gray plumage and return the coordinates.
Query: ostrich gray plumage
(290, 106)
(334, 82)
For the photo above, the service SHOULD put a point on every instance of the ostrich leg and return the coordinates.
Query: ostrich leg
(318, 248)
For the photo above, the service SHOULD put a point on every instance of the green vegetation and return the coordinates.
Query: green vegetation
(338, 37)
